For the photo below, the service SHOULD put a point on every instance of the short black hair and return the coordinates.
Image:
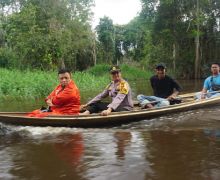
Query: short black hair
(215, 64)
(64, 70)
(160, 66)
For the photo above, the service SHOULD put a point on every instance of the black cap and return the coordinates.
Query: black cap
(160, 66)
(115, 69)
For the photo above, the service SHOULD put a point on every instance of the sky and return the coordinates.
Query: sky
(120, 11)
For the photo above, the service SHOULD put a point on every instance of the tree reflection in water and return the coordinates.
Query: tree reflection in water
(184, 154)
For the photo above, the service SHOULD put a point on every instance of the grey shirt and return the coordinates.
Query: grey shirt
(120, 92)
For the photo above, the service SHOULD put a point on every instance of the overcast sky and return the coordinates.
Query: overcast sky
(120, 11)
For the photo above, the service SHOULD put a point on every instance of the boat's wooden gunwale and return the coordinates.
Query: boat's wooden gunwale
(19, 114)
(96, 120)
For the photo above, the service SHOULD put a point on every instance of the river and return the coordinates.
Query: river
(181, 146)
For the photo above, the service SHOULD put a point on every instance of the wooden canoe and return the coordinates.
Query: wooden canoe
(96, 120)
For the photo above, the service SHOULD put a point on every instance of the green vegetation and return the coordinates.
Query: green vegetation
(44, 34)
(47, 34)
(15, 83)
(38, 84)
(128, 72)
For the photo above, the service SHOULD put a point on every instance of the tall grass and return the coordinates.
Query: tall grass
(29, 84)
(128, 72)
(38, 84)
(88, 82)
(133, 73)
(99, 70)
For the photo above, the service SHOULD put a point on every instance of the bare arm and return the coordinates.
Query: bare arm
(174, 95)
(203, 92)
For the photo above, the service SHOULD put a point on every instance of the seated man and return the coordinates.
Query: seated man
(211, 87)
(120, 92)
(64, 99)
(165, 90)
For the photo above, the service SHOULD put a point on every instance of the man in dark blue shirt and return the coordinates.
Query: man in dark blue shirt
(164, 87)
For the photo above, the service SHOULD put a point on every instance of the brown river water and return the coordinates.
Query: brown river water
(180, 146)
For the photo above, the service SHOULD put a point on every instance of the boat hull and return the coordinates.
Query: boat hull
(91, 121)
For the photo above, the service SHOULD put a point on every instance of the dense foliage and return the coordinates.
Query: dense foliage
(184, 34)
(46, 34)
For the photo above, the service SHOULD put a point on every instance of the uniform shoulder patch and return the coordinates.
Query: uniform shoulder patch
(123, 87)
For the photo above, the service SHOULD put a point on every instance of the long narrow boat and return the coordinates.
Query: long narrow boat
(96, 120)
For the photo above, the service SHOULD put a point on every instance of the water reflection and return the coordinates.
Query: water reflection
(116, 155)
(70, 148)
(6, 163)
(111, 154)
(123, 139)
(212, 134)
(178, 146)
(183, 155)
(26, 158)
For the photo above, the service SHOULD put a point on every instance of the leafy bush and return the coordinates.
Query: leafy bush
(99, 70)
(8, 59)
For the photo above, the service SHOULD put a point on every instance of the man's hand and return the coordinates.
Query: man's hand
(83, 106)
(49, 102)
(171, 97)
(203, 93)
(106, 112)
(202, 96)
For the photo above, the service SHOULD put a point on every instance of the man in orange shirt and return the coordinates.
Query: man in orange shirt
(64, 99)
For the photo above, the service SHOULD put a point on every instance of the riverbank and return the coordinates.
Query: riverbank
(34, 84)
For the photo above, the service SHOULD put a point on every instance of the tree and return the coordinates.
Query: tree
(106, 36)
(183, 34)
(47, 33)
